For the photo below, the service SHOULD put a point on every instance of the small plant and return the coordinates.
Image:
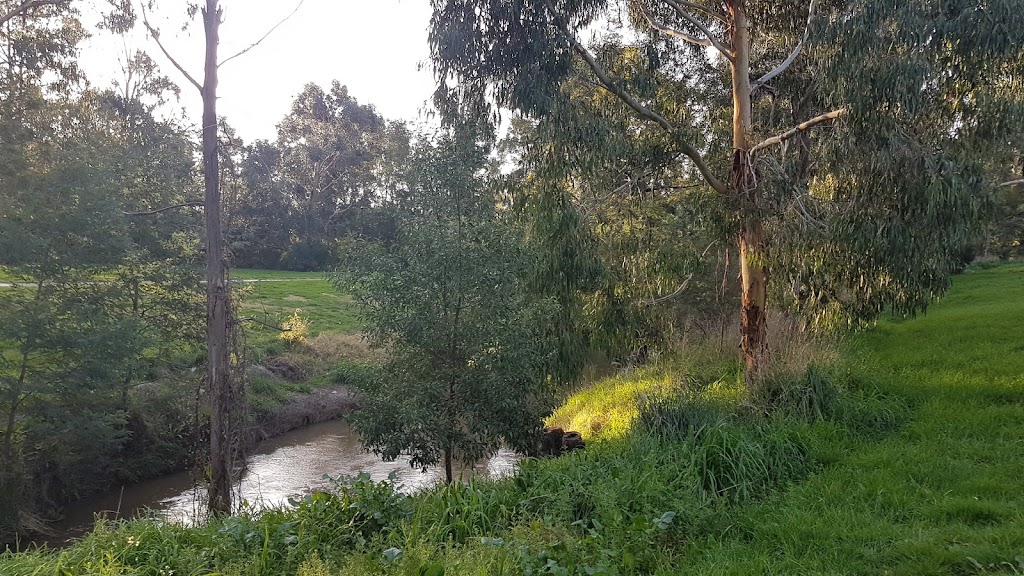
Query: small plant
(295, 329)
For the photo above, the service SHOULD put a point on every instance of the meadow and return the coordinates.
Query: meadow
(901, 454)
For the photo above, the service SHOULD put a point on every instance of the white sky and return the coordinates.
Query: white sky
(372, 46)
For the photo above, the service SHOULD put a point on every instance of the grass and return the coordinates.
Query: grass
(325, 308)
(913, 467)
(941, 496)
(259, 274)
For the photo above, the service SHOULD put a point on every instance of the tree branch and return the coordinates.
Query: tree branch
(803, 127)
(193, 203)
(156, 36)
(720, 16)
(670, 31)
(721, 47)
(644, 111)
(28, 5)
(1012, 182)
(789, 59)
(262, 38)
(682, 287)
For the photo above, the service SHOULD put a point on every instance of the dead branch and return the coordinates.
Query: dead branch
(682, 287)
(611, 86)
(262, 38)
(190, 203)
(1012, 182)
(670, 31)
(261, 323)
(156, 36)
(789, 59)
(803, 127)
(718, 44)
(721, 17)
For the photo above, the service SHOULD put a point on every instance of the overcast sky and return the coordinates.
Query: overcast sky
(372, 46)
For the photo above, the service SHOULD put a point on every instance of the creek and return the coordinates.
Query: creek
(284, 467)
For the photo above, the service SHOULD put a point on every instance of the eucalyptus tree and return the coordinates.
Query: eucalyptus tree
(872, 169)
(221, 383)
(218, 296)
(329, 145)
(467, 348)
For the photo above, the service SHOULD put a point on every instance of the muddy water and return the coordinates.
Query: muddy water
(284, 467)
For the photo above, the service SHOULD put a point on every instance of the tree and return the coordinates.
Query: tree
(448, 298)
(218, 296)
(219, 323)
(72, 161)
(871, 102)
(329, 146)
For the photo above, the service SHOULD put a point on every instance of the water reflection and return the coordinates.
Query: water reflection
(285, 467)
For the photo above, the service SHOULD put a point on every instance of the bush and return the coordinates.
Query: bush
(306, 256)
(294, 329)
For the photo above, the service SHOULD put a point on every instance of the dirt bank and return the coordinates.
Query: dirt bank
(302, 410)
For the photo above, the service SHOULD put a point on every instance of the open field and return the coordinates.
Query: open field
(903, 457)
(259, 274)
(273, 301)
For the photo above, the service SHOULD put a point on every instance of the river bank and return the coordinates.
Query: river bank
(286, 467)
(160, 436)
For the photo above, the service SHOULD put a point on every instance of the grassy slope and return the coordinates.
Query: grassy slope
(944, 494)
(939, 494)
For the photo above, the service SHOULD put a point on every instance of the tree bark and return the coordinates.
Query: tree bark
(743, 187)
(218, 372)
(448, 477)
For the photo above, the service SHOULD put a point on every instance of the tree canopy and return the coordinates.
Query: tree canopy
(845, 141)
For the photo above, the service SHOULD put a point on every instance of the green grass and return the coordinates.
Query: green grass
(258, 274)
(916, 469)
(326, 309)
(943, 495)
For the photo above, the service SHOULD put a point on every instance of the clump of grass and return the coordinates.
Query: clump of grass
(808, 396)
(684, 414)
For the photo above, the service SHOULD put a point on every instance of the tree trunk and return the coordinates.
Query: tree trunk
(12, 414)
(743, 184)
(448, 465)
(218, 372)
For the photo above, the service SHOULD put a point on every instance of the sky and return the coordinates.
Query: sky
(375, 47)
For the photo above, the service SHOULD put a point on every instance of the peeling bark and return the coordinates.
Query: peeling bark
(743, 188)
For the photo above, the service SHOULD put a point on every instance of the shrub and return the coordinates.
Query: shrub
(295, 329)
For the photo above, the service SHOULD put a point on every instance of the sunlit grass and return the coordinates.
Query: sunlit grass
(608, 408)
